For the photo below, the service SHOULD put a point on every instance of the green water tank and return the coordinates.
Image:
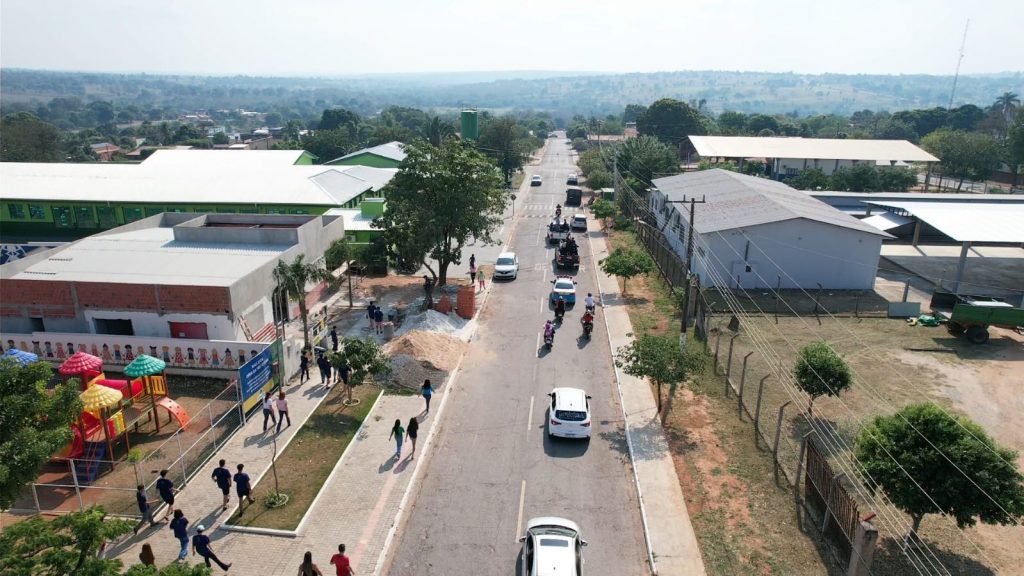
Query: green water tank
(469, 127)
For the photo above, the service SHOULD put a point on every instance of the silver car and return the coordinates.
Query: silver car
(552, 545)
(506, 266)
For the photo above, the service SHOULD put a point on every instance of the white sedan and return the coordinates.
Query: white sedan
(552, 545)
(564, 288)
(507, 266)
(536, 181)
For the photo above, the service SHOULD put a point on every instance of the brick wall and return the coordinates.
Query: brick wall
(57, 299)
(195, 299)
(37, 298)
(107, 296)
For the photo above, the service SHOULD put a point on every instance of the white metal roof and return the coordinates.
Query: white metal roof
(188, 159)
(196, 177)
(736, 200)
(973, 222)
(879, 151)
(392, 150)
(152, 256)
(353, 218)
(887, 220)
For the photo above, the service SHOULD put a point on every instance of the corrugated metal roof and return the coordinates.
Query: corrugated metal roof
(354, 219)
(973, 222)
(392, 150)
(736, 201)
(196, 177)
(887, 220)
(879, 151)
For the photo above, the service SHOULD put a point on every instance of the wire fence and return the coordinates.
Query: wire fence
(76, 484)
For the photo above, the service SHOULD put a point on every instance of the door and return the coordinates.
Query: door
(189, 330)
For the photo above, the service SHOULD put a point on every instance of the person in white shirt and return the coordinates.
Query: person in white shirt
(268, 410)
(590, 302)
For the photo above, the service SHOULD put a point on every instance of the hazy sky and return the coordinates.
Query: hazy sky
(330, 37)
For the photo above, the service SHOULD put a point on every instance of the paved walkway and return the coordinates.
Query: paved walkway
(357, 506)
(672, 540)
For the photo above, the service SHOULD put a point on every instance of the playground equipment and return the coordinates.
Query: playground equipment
(20, 356)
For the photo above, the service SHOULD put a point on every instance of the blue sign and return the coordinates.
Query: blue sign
(254, 376)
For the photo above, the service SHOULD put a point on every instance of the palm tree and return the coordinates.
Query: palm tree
(436, 130)
(1007, 103)
(292, 280)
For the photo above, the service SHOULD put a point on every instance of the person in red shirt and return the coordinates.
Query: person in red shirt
(341, 562)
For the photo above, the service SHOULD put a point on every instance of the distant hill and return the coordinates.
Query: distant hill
(561, 93)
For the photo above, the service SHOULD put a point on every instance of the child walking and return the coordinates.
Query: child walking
(398, 433)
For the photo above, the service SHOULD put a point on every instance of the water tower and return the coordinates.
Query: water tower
(469, 126)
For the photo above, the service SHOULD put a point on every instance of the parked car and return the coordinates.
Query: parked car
(536, 180)
(570, 413)
(572, 180)
(573, 196)
(579, 222)
(565, 287)
(552, 545)
(507, 266)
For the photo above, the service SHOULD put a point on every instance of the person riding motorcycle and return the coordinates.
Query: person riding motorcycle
(559, 308)
(558, 211)
(590, 302)
(549, 329)
(588, 318)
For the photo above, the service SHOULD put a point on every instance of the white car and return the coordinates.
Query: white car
(535, 181)
(507, 266)
(570, 413)
(552, 545)
(564, 288)
(579, 222)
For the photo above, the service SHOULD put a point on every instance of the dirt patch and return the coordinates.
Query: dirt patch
(440, 351)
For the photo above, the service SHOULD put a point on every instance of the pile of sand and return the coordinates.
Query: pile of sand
(437, 350)
(436, 322)
(408, 372)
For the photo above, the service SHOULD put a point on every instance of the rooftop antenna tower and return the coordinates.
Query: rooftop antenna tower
(956, 75)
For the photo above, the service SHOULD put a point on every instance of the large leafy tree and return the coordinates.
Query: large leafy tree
(633, 112)
(327, 145)
(644, 158)
(670, 121)
(364, 358)
(627, 263)
(25, 138)
(809, 179)
(820, 371)
(34, 423)
(440, 198)
(64, 546)
(293, 279)
(963, 155)
(1015, 143)
(659, 358)
(927, 460)
(502, 140)
(340, 118)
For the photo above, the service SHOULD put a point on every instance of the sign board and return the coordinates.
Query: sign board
(256, 377)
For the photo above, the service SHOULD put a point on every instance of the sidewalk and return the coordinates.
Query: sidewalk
(670, 534)
(356, 506)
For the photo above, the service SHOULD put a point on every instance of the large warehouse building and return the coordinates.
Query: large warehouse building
(756, 233)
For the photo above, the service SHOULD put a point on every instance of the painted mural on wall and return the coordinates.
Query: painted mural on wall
(121, 350)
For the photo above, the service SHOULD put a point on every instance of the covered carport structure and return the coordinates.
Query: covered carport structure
(965, 223)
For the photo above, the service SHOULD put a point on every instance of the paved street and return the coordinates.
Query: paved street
(494, 467)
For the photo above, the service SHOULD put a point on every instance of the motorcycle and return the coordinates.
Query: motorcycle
(549, 339)
(588, 327)
(559, 314)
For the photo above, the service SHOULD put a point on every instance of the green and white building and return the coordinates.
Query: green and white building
(388, 155)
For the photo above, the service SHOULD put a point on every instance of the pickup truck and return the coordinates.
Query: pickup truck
(558, 230)
(567, 255)
(971, 316)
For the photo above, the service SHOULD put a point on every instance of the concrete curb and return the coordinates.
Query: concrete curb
(625, 423)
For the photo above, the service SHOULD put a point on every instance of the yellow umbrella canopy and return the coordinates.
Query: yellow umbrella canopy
(98, 397)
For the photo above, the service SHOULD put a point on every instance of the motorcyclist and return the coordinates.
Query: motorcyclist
(590, 302)
(588, 318)
(549, 329)
(558, 211)
(559, 307)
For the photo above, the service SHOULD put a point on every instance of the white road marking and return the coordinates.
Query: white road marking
(538, 340)
(529, 417)
(543, 301)
(522, 500)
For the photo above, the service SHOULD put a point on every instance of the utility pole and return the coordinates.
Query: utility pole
(689, 259)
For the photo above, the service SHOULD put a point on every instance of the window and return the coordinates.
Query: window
(298, 211)
(275, 211)
(131, 214)
(37, 324)
(16, 211)
(107, 216)
(115, 326)
(62, 217)
(85, 216)
(225, 210)
(154, 210)
(36, 212)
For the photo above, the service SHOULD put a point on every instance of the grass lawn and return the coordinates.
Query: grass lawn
(303, 467)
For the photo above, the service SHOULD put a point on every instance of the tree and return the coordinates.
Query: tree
(604, 210)
(627, 263)
(759, 122)
(25, 138)
(633, 112)
(34, 423)
(820, 371)
(1007, 103)
(645, 157)
(339, 118)
(339, 253)
(659, 358)
(1015, 144)
(292, 280)
(436, 130)
(732, 122)
(500, 140)
(328, 145)
(895, 178)
(927, 460)
(364, 358)
(599, 179)
(670, 121)
(857, 178)
(221, 138)
(963, 155)
(176, 569)
(439, 198)
(64, 546)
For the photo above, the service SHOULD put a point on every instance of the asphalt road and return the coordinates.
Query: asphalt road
(494, 467)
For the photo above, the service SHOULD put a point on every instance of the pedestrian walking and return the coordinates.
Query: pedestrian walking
(481, 278)
(282, 412)
(179, 525)
(341, 563)
(428, 289)
(472, 274)
(325, 369)
(268, 410)
(145, 508)
(165, 486)
(304, 366)
(342, 372)
(472, 260)
(412, 430)
(371, 314)
(398, 433)
(334, 339)
(378, 319)
(201, 544)
(146, 556)
(308, 568)
(242, 487)
(427, 390)
(222, 476)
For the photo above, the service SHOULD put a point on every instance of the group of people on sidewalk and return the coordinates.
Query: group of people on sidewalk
(341, 563)
(280, 404)
(411, 431)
